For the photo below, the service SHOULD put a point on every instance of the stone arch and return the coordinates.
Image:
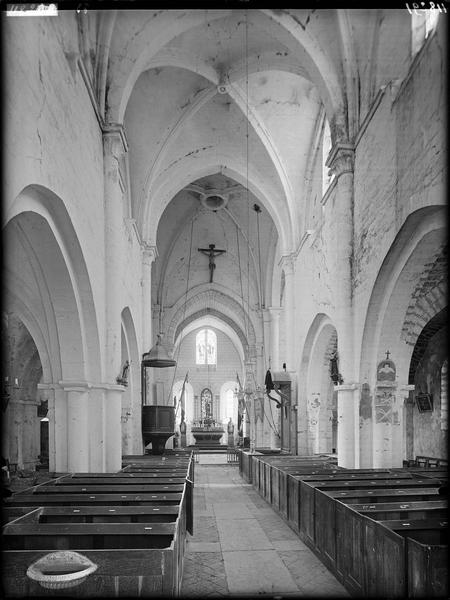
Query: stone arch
(41, 239)
(184, 172)
(48, 286)
(214, 303)
(408, 291)
(318, 402)
(131, 398)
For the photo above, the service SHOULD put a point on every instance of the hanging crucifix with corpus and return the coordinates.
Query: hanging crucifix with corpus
(212, 253)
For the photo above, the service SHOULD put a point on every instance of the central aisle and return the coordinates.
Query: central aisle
(241, 546)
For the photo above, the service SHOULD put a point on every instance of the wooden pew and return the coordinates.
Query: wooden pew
(281, 474)
(102, 514)
(389, 511)
(339, 528)
(136, 539)
(308, 498)
(108, 481)
(389, 569)
(162, 474)
(95, 499)
(86, 536)
(295, 479)
(105, 489)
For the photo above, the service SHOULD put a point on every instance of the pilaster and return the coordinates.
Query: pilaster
(114, 146)
(149, 254)
(348, 425)
(288, 266)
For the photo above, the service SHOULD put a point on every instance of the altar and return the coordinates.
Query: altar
(206, 432)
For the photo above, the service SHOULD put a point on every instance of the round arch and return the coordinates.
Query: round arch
(396, 291)
(319, 404)
(183, 173)
(205, 301)
(131, 398)
(44, 257)
(407, 293)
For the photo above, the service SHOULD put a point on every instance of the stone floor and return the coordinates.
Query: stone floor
(241, 547)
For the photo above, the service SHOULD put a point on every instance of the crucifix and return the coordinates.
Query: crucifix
(387, 354)
(212, 253)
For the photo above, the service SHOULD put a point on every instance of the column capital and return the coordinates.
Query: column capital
(404, 389)
(341, 158)
(346, 387)
(70, 385)
(149, 252)
(115, 139)
(287, 262)
(275, 311)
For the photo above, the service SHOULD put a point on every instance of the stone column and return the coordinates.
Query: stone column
(77, 427)
(408, 422)
(249, 387)
(288, 265)
(57, 415)
(341, 163)
(114, 146)
(113, 428)
(401, 442)
(98, 418)
(348, 425)
(149, 254)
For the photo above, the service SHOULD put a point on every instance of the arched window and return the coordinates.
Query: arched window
(326, 148)
(206, 347)
(444, 395)
(423, 23)
(206, 403)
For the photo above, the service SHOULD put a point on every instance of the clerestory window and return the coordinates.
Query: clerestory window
(206, 347)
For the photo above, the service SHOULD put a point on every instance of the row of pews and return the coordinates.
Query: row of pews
(131, 525)
(381, 532)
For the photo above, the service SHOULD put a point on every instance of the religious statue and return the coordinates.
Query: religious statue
(334, 370)
(211, 252)
(230, 427)
(123, 379)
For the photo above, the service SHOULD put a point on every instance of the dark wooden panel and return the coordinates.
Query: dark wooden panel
(350, 550)
(307, 512)
(386, 495)
(267, 482)
(86, 499)
(111, 489)
(122, 481)
(107, 581)
(427, 570)
(293, 504)
(275, 485)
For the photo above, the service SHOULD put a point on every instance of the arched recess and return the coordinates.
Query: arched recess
(131, 398)
(215, 304)
(409, 291)
(43, 256)
(22, 373)
(184, 172)
(317, 411)
(47, 286)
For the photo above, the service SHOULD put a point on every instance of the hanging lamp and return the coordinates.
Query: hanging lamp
(158, 357)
